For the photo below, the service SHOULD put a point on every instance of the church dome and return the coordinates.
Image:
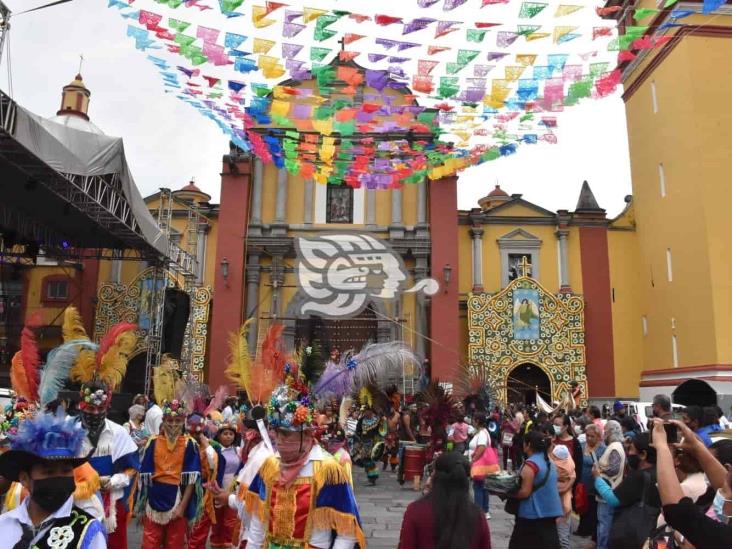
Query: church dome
(192, 193)
(495, 197)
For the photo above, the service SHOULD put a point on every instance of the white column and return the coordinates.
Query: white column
(308, 203)
(477, 234)
(396, 229)
(255, 222)
(422, 225)
(279, 225)
(253, 276)
(370, 208)
(563, 259)
(201, 252)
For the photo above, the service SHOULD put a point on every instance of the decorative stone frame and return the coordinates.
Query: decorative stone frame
(521, 242)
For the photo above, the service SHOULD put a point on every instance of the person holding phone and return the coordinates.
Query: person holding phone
(592, 451)
(640, 481)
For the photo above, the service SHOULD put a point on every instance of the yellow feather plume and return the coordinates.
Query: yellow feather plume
(164, 379)
(73, 328)
(85, 366)
(238, 370)
(114, 362)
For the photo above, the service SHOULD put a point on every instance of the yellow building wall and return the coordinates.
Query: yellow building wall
(627, 311)
(684, 135)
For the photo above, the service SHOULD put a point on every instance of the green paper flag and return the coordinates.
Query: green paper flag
(525, 30)
(669, 3)
(321, 32)
(178, 25)
(184, 40)
(318, 54)
(642, 13)
(476, 35)
(449, 86)
(453, 68)
(230, 5)
(597, 69)
(530, 9)
(466, 56)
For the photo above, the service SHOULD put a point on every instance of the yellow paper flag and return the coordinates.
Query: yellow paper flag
(562, 31)
(280, 108)
(259, 19)
(310, 14)
(566, 9)
(270, 66)
(536, 36)
(323, 127)
(262, 46)
(525, 59)
(513, 72)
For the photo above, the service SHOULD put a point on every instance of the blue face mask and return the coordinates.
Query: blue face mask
(718, 506)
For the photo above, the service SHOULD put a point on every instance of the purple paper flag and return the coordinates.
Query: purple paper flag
(291, 29)
(291, 50)
(505, 39)
(495, 55)
(376, 57)
(376, 79)
(418, 24)
(388, 44)
(452, 4)
(426, 3)
(291, 15)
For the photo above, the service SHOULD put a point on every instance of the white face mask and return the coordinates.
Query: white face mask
(557, 430)
(718, 506)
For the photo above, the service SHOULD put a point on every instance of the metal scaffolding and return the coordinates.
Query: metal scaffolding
(189, 270)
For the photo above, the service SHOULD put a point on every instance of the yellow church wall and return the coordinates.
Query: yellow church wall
(269, 192)
(517, 210)
(712, 180)
(409, 205)
(295, 199)
(685, 306)
(627, 311)
(465, 253)
(50, 314)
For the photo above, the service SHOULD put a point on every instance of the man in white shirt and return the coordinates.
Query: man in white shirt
(42, 460)
(153, 419)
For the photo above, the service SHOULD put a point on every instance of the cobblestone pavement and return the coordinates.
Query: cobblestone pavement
(382, 508)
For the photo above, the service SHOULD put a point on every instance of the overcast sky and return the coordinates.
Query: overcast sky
(168, 143)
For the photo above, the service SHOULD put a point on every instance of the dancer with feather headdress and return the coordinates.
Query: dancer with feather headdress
(100, 370)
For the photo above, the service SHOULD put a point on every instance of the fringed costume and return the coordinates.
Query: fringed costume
(303, 514)
(167, 470)
(114, 455)
(212, 478)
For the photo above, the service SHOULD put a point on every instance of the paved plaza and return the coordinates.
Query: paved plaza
(382, 508)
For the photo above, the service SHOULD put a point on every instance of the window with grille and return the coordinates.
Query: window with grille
(57, 290)
(339, 204)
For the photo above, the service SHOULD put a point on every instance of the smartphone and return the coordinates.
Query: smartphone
(672, 432)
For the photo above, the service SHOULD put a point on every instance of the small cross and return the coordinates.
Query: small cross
(342, 42)
(524, 267)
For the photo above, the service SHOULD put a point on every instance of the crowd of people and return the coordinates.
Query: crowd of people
(271, 466)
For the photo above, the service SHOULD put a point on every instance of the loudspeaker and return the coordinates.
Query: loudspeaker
(175, 317)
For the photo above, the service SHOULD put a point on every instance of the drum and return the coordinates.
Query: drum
(415, 458)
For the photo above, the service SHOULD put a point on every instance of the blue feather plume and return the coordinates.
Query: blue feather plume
(57, 368)
(49, 435)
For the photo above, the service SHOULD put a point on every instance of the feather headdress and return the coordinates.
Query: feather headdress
(164, 380)
(217, 402)
(372, 396)
(441, 406)
(190, 390)
(474, 387)
(109, 363)
(239, 368)
(58, 366)
(377, 364)
(25, 365)
(336, 380)
(270, 366)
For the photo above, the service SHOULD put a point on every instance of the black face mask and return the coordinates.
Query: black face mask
(633, 461)
(51, 493)
(94, 423)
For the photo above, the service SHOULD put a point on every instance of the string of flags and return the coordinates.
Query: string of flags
(377, 99)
